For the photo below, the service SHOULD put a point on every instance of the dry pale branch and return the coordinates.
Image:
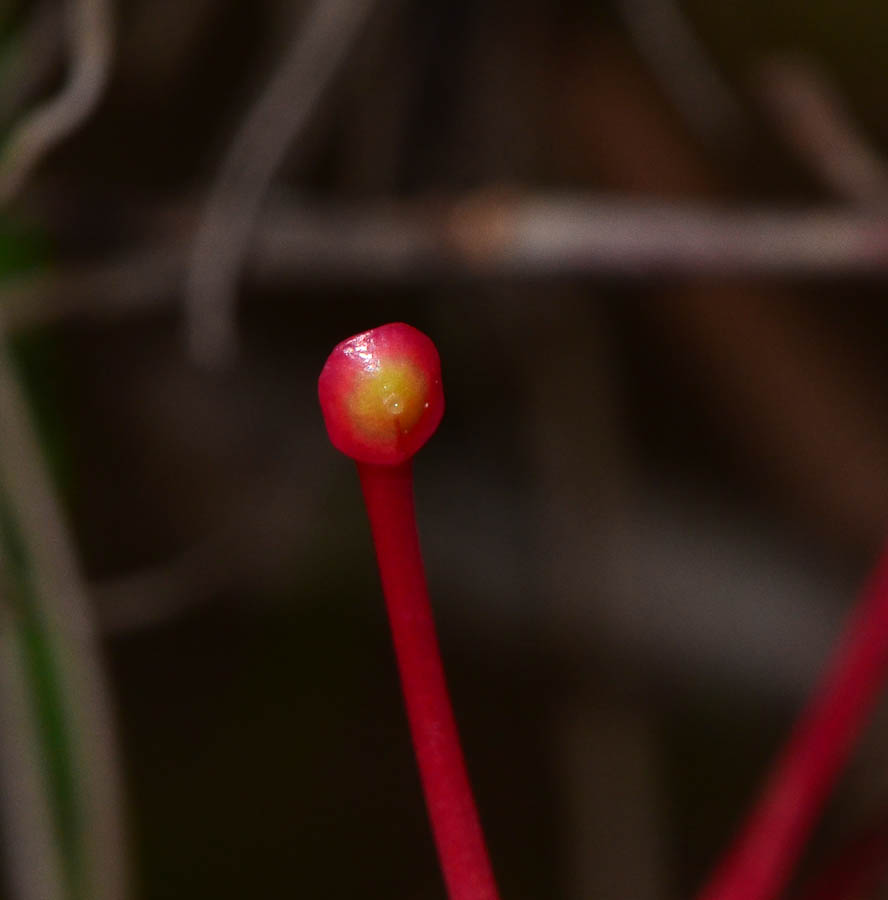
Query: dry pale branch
(483, 236)
(62, 607)
(811, 115)
(271, 127)
(90, 45)
(59, 590)
(684, 68)
(32, 56)
(33, 854)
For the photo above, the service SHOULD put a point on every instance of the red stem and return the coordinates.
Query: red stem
(388, 493)
(758, 865)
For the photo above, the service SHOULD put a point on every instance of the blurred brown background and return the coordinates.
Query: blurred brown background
(649, 242)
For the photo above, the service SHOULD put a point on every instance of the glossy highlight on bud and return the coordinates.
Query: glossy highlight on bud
(381, 394)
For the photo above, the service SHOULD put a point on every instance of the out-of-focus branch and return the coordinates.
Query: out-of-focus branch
(61, 606)
(90, 44)
(32, 54)
(536, 236)
(792, 401)
(270, 129)
(684, 68)
(56, 587)
(33, 852)
(813, 119)
(552, 236)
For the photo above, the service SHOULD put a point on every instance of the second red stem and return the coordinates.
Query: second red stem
(760, 862)
(388, 493)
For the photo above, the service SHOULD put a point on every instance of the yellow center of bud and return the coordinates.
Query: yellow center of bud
(389, 400)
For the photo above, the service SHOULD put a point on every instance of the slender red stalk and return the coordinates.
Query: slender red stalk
(759, 864)
(381, 396)
(388, 492)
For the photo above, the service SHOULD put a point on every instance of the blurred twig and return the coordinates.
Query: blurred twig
(33, 849)
(90, 41)
(481, 237)
(809, 112)
(272, 125)
(795, 404)
(64, 613)
(56, 586)
(684, 68)
(32, 54)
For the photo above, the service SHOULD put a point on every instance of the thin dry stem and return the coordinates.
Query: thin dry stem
(271, 127)
(64, 610)
(90, 46)
(527, 235)
(33, 853)
(684, 67)
(813, 118)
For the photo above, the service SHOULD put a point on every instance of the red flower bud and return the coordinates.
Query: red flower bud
(381, 394)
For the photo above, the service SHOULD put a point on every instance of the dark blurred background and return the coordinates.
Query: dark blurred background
(649, 241)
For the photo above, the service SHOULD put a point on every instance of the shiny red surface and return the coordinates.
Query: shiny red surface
(382, 399)
(388, 492)
(380, 431)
